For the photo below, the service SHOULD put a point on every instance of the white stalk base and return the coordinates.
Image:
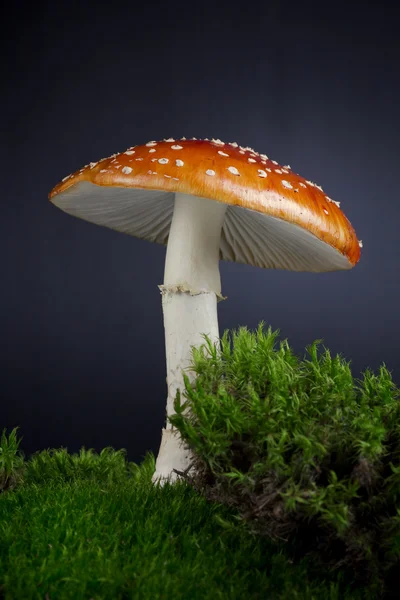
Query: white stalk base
(191, 289)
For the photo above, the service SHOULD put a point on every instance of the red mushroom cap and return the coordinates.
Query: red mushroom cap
(296, 213)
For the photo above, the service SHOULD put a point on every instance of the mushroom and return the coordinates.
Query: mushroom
(207, 201)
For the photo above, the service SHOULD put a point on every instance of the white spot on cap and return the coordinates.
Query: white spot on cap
(152, 150)
(210, 172)
(319, 187)
(278, 171)
(241, 151)
(217, 142)
(310, 183)
(152, 143)
(93, 165)
(138, 158)
(179, 163)
(360, 243)
(126, 170)
(325, 211)
(286, 184)
(264, 156)
(262, 173)
(287, 166)
(154, 159)
(176, 147)
(67, 177)
(222, 153)
(274, 162)
(233, 170)
(163, 161)
(303, 184)
(118, 166)
(176, 178)
(183, 138)
(285, 171)
(103, 171)
(251, 160)
(234, 144)
(129, 152)
(169, 176)
(268, 169)
(169, 140)
(333, 201)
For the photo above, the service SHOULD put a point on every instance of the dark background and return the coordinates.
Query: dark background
(313, 86)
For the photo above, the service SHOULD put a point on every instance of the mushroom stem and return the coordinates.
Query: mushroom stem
(191, 289)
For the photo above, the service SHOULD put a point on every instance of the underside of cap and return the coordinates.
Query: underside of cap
(247, 236)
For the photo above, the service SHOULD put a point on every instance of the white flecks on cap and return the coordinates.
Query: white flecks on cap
(152, 150)
(154, 159)
(251, 160)
(310, 183)
(241, 151)
(286, 184)
(285, 171)
(126, 170)
(303, 184)
(325, 211)
(169, 140)
(210, 172)
(183, 138)
(274, 162)
(169, 176)
(129, 152)
(278, 171)
(234, 144)
(152, 143)
(217, 142)
(93, 164)
(287, 167)
(193, 139)
(268, 169)
(67, 177)
(163, 161)
(138, 158)
(117, 166)
(360, 243)
(319, 187)
(262, 173)
(333, 201)
(103, 171)
(222, 153)
(176, 178)
(264, 156)
(233, 170)
(176, 147)
(179, 163)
